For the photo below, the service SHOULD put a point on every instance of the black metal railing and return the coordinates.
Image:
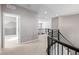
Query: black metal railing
(58, 47)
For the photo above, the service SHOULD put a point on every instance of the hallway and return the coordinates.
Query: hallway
(37, 47)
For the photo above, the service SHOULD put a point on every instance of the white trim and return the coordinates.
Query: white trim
(30, 41)
(11, 15)
(18, 28)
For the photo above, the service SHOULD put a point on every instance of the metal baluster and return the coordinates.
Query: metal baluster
(58, 49)
(48, 51)
(52, 41)
(67, 51)
(55, 48)
(58, 43)
(75, 52)
(62, 49)
(52, 48)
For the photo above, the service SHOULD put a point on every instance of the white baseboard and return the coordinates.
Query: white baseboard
(30, 41)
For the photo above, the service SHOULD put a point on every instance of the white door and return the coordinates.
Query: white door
(10, 27)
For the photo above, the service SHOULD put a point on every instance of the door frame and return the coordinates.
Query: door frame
(17, 22)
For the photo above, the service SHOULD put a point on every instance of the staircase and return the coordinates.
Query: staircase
(59, 45)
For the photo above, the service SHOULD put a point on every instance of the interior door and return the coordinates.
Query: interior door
(10, 27)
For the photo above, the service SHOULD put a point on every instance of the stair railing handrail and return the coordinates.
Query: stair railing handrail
(62, 35)
(64, 44)
(65, 38)
(54, 41)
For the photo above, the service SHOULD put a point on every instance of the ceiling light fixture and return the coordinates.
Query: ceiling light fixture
(45, 12)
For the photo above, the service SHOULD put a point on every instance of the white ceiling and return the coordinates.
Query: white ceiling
(47, 11)
(33, 7)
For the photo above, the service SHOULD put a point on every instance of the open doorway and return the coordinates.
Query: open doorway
(10, 29)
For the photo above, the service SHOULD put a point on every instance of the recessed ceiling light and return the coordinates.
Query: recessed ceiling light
(45, 12)
(56, 14)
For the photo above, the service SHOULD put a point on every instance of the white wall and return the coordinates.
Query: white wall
(54, 23)
(46, 22)
(0, 26)
(28, 22)
(69, 27)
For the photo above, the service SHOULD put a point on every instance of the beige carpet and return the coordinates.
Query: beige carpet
(37, 47)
